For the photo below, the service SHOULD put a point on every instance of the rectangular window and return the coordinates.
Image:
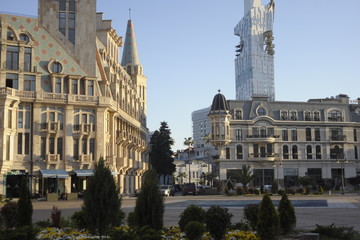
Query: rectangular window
(316, 116)
(227, 153)
(20, 120)
(57, 85)
(19, 143)
(27, 143)
(271, 132)
(76, 148)
(84, 146)
(284, 116)
(43, 148)
(12, 81)
(238, 135)
(356, 152)
(285, 135)
(62, 22)
(8, 147)
(82, 87)
(255, 132)
(12, 58)
(27, 60)
(29, 83)
(256, 150)
(72, 5)
(71, 31)
(52, 145)
(90, 88)
(62, 5)
(293, 135)
(355, 135)
(92, 148)
(66, 86)
(307, 116)
(293, 116)
(60, 147)
(74, 87)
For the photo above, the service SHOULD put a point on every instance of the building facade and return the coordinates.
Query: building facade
(66, 100)
(286, 140)
(254, 63)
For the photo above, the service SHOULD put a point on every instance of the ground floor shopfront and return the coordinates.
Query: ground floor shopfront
(287, 173)
(62, 183)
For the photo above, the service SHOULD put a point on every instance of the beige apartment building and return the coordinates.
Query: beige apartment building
(66, 100)
(285, 140)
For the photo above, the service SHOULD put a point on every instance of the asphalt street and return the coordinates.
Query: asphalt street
(342, 210)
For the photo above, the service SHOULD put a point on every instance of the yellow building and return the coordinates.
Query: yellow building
(66, 100)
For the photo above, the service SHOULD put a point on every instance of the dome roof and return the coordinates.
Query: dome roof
(219, 103)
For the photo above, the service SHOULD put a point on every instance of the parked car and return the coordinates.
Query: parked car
(201, 187)
(177, 188)
(189, 188)
(167, 190)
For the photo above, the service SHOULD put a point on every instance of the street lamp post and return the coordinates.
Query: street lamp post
(342, 166)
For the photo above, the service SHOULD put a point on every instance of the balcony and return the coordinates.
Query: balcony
(85, 158)
(52, 158)
(51, 127)
(337, 138)
(262, 138)
(263, 156)
(84, 128)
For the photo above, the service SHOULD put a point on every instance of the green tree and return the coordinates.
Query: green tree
(101, 201)
(161, 154)
(217, 220)
(244, 175)
(149, 208)
(268, 220)
(287, 217)
(191, 213)
(24, 209)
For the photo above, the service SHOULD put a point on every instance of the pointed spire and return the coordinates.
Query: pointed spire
(130, 54)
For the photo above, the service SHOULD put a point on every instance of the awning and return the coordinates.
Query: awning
(84, 172)
(54, 173)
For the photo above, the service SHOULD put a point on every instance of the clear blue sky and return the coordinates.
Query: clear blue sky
(187, 50)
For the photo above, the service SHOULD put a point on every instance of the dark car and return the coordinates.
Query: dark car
(177, 188)
(189, 189)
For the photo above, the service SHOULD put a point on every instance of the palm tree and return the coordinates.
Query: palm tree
(244, 176)
(189, 142)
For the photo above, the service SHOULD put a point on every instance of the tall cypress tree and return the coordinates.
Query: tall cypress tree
(149, 208)
(268, 220)
(24, 207)
(287, 215)
(161, 153)
(101, 201)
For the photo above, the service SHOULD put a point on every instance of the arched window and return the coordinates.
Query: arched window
(295, 154)
(318, 151)
(24, 37)
(308, 152)
(239, 152)
(286, 152)
(308, 134)
(56, 67)
(261, 111)
(335, 116)
(11, 35)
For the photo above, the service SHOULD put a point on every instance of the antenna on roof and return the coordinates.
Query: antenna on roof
(129, 13)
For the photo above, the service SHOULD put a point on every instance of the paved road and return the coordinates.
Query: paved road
(310, 210)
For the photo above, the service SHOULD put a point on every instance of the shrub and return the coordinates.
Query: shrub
(43, 224)
(55, 217)
(268, 223)
(250, 190)
(191, 213)
(217, 220)
(24, 209)
(78, 219)
(122, 233)
(338, 233)
(280, 192)
(23, 233)
(290, 191)
(241, 226)
(131, 221)
(239, 190)
(194, 230)
(287, 217)
(251, 212)
(241, 235)
(274, 187)
(8, 211)
(148, 233)
(256, 191)
(300, 190)
(149, 208)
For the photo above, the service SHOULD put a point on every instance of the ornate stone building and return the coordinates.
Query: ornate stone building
(285, 140)
(66, 100)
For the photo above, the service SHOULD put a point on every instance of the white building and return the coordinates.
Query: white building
(254, 63)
